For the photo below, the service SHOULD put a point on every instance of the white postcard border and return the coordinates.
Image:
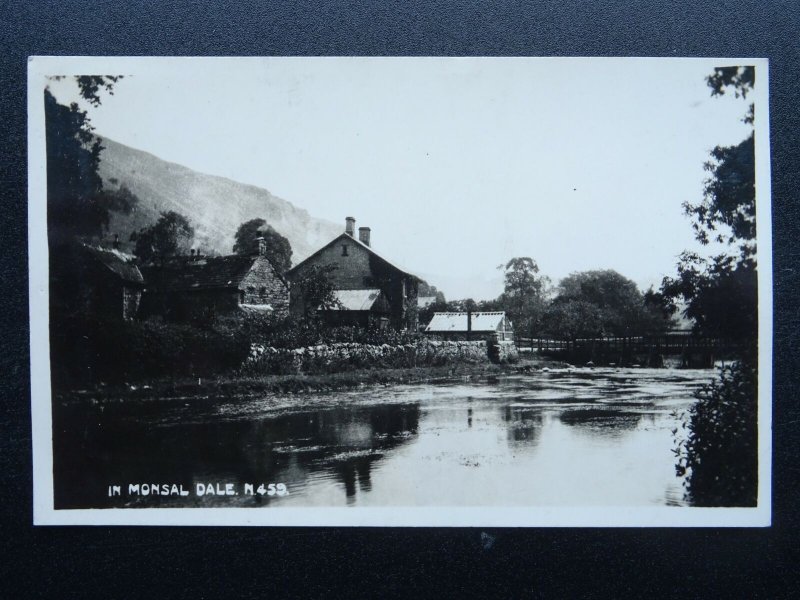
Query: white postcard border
(495, 516)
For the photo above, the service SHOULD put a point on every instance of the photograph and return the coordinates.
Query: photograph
(373, 291)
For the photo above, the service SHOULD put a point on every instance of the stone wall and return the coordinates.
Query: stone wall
(508, 352)
(329, 358)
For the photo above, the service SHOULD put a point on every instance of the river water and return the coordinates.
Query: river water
(572, 437)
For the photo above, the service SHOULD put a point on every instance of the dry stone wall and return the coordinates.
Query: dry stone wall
(329, 358)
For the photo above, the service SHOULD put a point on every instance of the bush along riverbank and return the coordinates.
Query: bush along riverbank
(719, 455)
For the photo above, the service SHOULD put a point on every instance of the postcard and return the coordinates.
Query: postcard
(400, 291)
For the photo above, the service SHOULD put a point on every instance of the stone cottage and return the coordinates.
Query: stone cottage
(194, 286)
(97, 283)
(370, 290)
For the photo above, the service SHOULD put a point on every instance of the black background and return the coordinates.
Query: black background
(203, 562)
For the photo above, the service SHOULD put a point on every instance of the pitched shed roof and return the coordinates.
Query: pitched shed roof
(366, 299)
(203, 273)
(118, 263)
(443, 322)
(359, 243)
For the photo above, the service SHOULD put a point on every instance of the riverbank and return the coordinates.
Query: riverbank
(230, 387)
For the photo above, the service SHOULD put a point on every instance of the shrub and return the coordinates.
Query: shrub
(720, 453)
(86, 352)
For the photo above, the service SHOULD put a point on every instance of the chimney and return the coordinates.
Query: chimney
(350, 226)
(261, 245)
(363, 235)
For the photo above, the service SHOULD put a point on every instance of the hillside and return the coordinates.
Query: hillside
(216, 206)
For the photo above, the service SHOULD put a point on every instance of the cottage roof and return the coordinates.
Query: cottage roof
(191, 273)
(358, 243)
(443, 322)
(119, 263)
(366, 299)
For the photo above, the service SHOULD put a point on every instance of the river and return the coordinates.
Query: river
(571, 437)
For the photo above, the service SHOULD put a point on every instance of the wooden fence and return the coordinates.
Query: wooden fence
(666, 343)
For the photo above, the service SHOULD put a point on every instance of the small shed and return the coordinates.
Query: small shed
(471, 325)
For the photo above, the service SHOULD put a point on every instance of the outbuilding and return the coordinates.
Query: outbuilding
(494, 325)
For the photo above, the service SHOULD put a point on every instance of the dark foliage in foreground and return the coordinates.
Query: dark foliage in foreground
(720, 455)
(88, 352)
(721, 450)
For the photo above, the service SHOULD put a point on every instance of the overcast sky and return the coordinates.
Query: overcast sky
(457, 165)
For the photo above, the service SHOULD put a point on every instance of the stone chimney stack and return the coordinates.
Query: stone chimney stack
(350, 226)
(261, 246)
(363, 235)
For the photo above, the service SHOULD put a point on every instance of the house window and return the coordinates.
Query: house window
(344, 249)
(262, 291)
(241, 296)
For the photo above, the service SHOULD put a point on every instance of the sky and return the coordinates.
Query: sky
(456, 164)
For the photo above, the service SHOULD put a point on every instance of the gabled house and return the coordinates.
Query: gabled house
(471, 325)
(371, 290)
(95, 283)
(191, 286)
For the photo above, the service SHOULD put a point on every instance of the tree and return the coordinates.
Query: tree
(602, 302)
(77, 205)
(279, 250)
(316, 289)
(720, 293)
(720, 452)
(569, 319)
(171, 235)
(523, 296)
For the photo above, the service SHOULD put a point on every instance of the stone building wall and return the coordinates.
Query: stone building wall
(262, 285)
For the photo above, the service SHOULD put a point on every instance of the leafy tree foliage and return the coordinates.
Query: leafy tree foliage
(524, 293)
(593, 303)
(316, 289)
(720, 294)
(720, 454)
(77, 204)
(279, 250)
(570, 318)
(171, 235)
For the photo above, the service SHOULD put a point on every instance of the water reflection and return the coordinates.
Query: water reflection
(524, 425)
(103, 447)
(575, 437)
